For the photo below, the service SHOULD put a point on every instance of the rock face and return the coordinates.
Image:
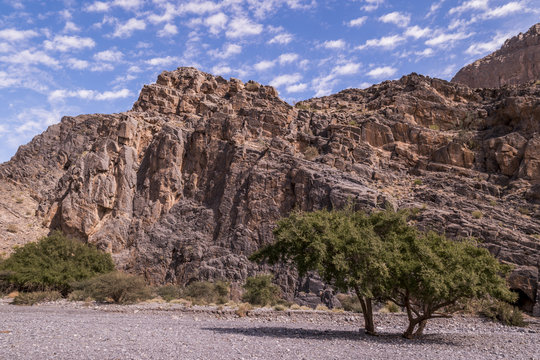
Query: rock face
(516, 62)
(189, 183)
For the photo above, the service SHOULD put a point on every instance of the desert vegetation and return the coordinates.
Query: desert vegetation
(381, 257)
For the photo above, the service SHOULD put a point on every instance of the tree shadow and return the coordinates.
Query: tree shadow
(324, 335)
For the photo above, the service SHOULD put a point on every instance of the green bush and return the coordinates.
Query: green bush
(259, 290)
(206, 292)
(31, 298)
(52, 263)
(350, 303)
(504, 313)
(114, 287)
(169, 292)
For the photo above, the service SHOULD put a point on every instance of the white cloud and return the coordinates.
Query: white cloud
(98, 6)
(66, 43)
(282, 39)
(372, 5)
(417, 32)
(17, 35)
(7, 80)
(226, 51)
(162, 61)
(168, 15)
(77, 64)
(199, 7)
(287, 58)
(30, 57)
(288, 79)
(469, 5)
(425, 53)
(357, 22)
(60, 95)
(109, 55)
(386, 42)
(434, 7)
(264, 65)
(102, 6)
(168, 30)
(504, 10)
(221, 70)
(5, 47)
(347, 69)
(482, 48)
(127, 29)
(102, 67)
(128, 4)
(296, 88)
(446, 39)
(396, 18)
(216, 22)
(71, 27)
(241, 27)
(334, 44)
(382, 72)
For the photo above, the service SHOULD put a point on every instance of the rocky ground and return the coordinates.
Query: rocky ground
(164, 331)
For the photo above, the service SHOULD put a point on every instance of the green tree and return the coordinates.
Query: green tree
(341, 246)
(260, 290)
(430, 273)
(380, 256)
(53, 263)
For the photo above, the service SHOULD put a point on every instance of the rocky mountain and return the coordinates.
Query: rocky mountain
(190, 182)
(516, 62)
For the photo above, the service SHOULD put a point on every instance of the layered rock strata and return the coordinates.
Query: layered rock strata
(191, 181)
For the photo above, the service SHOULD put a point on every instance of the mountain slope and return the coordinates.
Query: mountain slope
(516, 62)
(189, 183)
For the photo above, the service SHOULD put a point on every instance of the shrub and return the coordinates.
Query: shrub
(243, 309)
(417, 182)
(115, 287)
(12, 228)
(391, 307)
(311, 153)
(260, 290)
(321, 307)
(477, 214)
(350, 303)
(279, 307)
(31, 298)
(206, 292)
(53, 263)
(169, 292)
(434, 127)
(504, 313)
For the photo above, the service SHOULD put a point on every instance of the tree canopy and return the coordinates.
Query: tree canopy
(380, 256)
(53, 263)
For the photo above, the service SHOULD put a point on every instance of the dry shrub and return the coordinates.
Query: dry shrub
(32, 298)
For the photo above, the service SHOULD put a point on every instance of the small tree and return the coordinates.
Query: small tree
(381, 256)
(260, 290)
(341, 245)
(431, 273)
(53, 263)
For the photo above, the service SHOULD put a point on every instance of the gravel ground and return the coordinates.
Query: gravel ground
(161, 331)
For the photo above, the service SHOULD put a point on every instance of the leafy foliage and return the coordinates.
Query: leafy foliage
(382, 256)
(504, 313)
(32, 298)
(114, 287)
(261, 291)
(169, 292)
(206, 292)
(53, 263)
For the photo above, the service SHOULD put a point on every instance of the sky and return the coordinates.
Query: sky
(80, 57)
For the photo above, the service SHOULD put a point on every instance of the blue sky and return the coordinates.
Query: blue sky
(76, 57)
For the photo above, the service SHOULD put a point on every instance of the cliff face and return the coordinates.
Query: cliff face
(189, 183)
(516, 62)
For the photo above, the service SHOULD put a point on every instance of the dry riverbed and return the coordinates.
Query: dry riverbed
(64, 330)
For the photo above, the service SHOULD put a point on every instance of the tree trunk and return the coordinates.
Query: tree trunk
(419, 332)
(408, 334)
(367, 312)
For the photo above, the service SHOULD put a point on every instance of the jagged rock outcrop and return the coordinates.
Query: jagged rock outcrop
(516, 62)
(190, 182)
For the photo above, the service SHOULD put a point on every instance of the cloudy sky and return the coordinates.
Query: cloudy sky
(75, 57)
